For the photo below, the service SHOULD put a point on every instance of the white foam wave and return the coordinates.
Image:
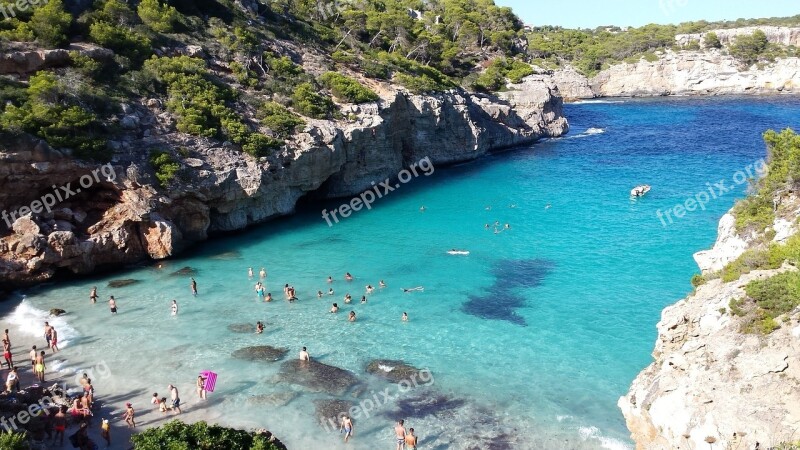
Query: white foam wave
(588, 433)
(587, 133)
(30, 321)
(385, 368)
(563, 418)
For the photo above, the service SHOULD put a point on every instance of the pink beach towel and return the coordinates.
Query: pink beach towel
(211, 379)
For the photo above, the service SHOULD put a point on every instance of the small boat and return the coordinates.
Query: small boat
(640, 190)
(458, 252)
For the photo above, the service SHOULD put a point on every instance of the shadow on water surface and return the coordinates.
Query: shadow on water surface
(500, 301)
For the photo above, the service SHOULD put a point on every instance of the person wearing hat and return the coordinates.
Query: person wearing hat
(129, 415)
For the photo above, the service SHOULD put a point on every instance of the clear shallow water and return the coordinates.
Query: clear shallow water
(532, 337)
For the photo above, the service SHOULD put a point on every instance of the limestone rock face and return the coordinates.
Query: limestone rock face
(709, 381)
(572, 84)
(698, 73)
(775, 35)
(124, 218)
(23, 62)
(727, 248)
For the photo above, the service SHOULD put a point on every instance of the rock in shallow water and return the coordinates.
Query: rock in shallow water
(398, 371)
(275, 400)
(329, 411)
(121, 283)
(260, 353)
(57, 312)
(426, 404)
(317, 376)
(184, 272)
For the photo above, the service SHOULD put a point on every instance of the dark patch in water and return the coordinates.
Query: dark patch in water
(185, 272)
(499, 301)
(335, 239)
(227, 256)
(426, 404)
(121, 283)
(260, 353)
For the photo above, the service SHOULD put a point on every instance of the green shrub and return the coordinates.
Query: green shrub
(50, 23)
(692, 45)
(259, 145)
(652, 57)
(748, 49)
(282, 66)
(343, 57)
(10, 440)
(698, 280)
(124, 41)
(15, 30)
(711, 40)
(777, 295)
(165, 166)
(176, 435)
(279, 119)
(494, 78)
(308, 102)
(737, 307)
(160, 18)
(348, 89)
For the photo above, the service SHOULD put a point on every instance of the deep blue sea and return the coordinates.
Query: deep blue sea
(531, 338)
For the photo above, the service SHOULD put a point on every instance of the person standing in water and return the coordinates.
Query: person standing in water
(411, 440)
(382, 284)
(7, 353)
(47, 333)
(93, 298)
(176, 400)
(112, 304)
(194, 287)
(304, 356)
(335, 308)
(405, 317)
(33, 357)
(352, 316)
(40, 367)
(201, 387)
(259, 327)
(400, 433)
(250, 272)
(262, 273)
(174, 307)
(347, 428)
(348, 277)
(54, 340)
(330, 279)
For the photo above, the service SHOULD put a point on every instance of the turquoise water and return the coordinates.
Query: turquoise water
(531, 338)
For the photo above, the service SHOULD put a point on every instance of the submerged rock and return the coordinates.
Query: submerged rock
(329, 411)
(260, 353)
(184, 272)
(227, 256)
(121, 283)
(317, 376)
(57, 312)
(242, 328)
(276, 399)
(397, 371)
(426, 404)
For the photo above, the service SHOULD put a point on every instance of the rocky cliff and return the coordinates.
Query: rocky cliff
(121, 216)
(711, 385)
(775, 35)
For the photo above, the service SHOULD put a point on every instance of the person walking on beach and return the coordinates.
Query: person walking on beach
(7, 353)
(176, 400)
(347, 428)
(400, 433)
(129, 415)
(33, 357)
(60, 424)
(201, 387)
(40, 367)
(54, 340)
(93, 294)
(174, 307)
(112, 304)
(194, 287)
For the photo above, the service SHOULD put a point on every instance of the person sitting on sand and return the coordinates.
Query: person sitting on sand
(335, 308)
(79, 411)
(352, 316)
(348, 277)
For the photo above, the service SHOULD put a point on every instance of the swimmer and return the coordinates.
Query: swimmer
(513, 205)
(194, 287)
(262, 273)
(348, 298)
(405, 317)
(548, 206)
(259, 327)
(497, 223)
(319, 294)
(112, 304)
(330, 291)
(486, 226)
(370, 289)
(174, 307)
(330, 279)
(269, 296)
(507, 227)
(304, 355)
(351, 317)
(348, 277)
(489, 208)
(418, 288)
(335, 308)
(422, 208)
(250, 272)
(93, 294)
(363, 299)
(382, 284)
(286, 290)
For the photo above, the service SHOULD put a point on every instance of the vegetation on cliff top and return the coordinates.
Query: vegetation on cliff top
(767, 300)
(176, 435)
(295, 54)
(591, 51)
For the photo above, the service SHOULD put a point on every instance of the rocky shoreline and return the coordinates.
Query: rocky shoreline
(125, 218)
